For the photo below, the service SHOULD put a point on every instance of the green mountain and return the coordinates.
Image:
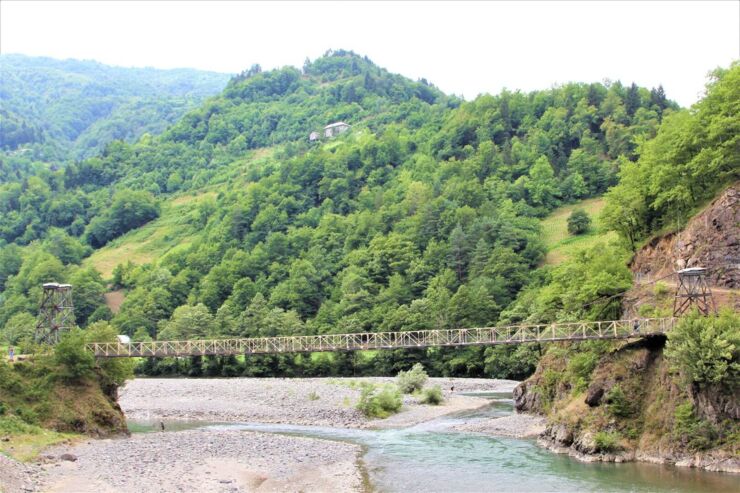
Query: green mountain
(58, 110)
(426, 213)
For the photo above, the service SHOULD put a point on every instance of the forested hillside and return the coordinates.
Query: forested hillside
(424, 215)
(59, 110)
(667, 399)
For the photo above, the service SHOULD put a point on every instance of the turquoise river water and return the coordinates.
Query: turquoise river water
(431, 457)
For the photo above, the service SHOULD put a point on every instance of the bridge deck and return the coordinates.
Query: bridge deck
(514, 334)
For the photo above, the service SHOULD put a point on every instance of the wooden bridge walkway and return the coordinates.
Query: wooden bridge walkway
(514, 334)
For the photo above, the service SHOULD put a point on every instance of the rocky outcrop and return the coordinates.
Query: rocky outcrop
(643, 427)
(525, 401)
(626, 409)
(711, 239)
(716, 403)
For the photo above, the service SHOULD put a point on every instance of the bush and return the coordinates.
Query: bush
(617, 404)
(412, 380)
(705, 349)
(114, 371)
(578, 222)
(549, 386)
(692, 432)
(582, 365)
(379, 404)
(11, 425)
(313, 396)
(606, 441)
(660, 289)
(75, 362)
(432, 395)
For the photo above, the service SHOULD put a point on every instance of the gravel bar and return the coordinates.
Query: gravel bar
(301, 401)
(203, 461)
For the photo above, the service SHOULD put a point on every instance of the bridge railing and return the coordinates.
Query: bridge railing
(514, 334)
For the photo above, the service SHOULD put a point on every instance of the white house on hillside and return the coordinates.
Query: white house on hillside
(335, 129)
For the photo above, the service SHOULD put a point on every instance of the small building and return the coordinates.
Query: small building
(335, 129)
(313, 136)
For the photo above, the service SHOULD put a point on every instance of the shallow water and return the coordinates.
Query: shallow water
(431, 457)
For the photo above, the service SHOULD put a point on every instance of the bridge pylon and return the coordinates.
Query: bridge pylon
(693, 290)
(56, 312)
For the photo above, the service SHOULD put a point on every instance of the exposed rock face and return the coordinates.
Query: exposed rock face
(526, 401)
(641, 415)
(711, 240)
(644, 429)
(594, 395)
(716, 403)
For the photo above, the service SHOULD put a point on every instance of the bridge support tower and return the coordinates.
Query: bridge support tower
(56, 312)
(693, 290)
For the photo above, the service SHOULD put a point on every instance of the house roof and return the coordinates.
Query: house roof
(337, 124)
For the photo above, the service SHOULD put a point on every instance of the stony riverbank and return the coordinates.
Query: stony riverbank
(305, 401)
(515, 426)
(232, 460)
(16, 476)
(203, 460)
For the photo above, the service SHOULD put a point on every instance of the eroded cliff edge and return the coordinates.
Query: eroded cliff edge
(621, 401)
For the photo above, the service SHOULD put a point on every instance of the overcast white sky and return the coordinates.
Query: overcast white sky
(463, 48)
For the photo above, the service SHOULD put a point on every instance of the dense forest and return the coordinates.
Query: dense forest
(62, 110)
(424, 215)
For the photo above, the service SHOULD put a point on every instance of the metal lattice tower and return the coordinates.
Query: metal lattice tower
(56, 312)
(693, 290)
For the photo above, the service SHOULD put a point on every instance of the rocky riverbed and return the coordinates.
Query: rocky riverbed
(202, 460)
(232, 460)
(515, 425)
(300, 401)
(16, 476)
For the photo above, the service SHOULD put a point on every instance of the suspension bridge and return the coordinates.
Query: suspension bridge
(512, 334)
(692, 291)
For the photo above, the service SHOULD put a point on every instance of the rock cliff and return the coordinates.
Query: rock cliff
(620, 401)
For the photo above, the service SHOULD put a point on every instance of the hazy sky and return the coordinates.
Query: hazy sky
(463, 48)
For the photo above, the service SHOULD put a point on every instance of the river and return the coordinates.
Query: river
(432, 457)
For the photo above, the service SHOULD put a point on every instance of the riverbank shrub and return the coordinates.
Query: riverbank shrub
(379, 402)
(617, 403)
(412, 380)
(432, 396)
(606, 441)
(75, 362)
(694, 433)
(580, 367)
(705, 349)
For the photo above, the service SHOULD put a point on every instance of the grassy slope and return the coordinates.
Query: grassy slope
(171, 230)
(39, 407)
(559, 243)
(24, 441)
